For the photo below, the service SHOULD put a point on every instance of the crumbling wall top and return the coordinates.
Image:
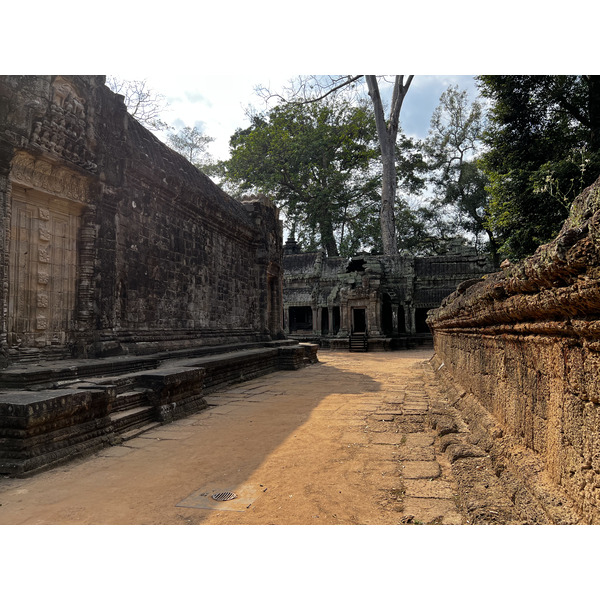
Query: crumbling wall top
(558, 281)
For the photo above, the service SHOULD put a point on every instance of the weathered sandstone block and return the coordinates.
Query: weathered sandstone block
(525, 343)
(111, 243)
(117, 258)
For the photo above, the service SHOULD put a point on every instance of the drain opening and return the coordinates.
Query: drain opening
(223, 496)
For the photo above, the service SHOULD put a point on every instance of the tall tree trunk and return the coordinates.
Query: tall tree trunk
(327, 237)
(387, 216)
(493, 249)
(387, 132)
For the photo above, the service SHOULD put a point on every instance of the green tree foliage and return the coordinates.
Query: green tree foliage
(317, 161)
(543, 142)
(314, 88)
(459, 184)
(191, 143)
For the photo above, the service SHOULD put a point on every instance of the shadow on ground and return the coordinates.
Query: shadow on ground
(144, 480)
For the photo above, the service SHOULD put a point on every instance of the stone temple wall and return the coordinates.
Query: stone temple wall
(522, 348)
(324, 297)
(130, 283)
(114, 244)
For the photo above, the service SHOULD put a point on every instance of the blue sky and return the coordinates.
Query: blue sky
(423, 97)
(217, 102)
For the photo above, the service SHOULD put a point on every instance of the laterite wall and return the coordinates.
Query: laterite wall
(525, 344)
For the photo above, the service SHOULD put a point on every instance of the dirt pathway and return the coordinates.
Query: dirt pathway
(343, 441)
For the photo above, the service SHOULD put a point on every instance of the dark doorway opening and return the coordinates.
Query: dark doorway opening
(300, 318)
(401, 319)
(325, 321)
(359, 320)
(420, 318)
(335, 319)
(387, 321)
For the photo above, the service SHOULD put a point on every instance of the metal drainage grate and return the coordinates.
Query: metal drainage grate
(223, 496)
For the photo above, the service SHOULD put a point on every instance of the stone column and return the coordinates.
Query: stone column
(374, 315)
(286, 320)
(409, 312)
(344, 320)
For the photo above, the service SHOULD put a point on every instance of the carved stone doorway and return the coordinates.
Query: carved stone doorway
(359, 320)
(43, 269)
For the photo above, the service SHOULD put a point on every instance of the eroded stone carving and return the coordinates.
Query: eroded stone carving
(63, 130)
(42, 175)
(43, 259)
(327, 298)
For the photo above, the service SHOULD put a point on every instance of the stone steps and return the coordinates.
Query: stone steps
(130, 399)
(66, 410)
(132, 418)
(358, 342)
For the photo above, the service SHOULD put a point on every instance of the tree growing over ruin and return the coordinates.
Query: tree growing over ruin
(143, 103)
(314, 88)
(459, 185)
(317, 161)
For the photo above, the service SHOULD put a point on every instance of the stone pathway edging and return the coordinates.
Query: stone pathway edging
(427, 492)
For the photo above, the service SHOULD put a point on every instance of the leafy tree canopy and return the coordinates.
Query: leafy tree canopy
(318, 161)
(315, 88)
(543, 142)
(459, 185)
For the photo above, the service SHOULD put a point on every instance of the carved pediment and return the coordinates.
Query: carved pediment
(53, 179)
(64, 129)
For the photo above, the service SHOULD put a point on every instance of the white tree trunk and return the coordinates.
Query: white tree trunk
(387, 134)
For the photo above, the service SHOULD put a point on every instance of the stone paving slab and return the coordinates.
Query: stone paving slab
(432, 511)
(382, 452)
(418, 453)
(423, 488)
(420, 439)
(421, 469)
(381, 417)
(386, 438)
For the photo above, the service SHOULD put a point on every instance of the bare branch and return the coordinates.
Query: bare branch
(307, 89)
(142, 103)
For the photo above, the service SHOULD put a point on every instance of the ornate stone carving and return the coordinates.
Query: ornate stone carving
(42, 175)
(64, 129)
(43, 271)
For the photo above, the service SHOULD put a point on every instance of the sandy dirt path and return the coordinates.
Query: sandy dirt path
(344, 441)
